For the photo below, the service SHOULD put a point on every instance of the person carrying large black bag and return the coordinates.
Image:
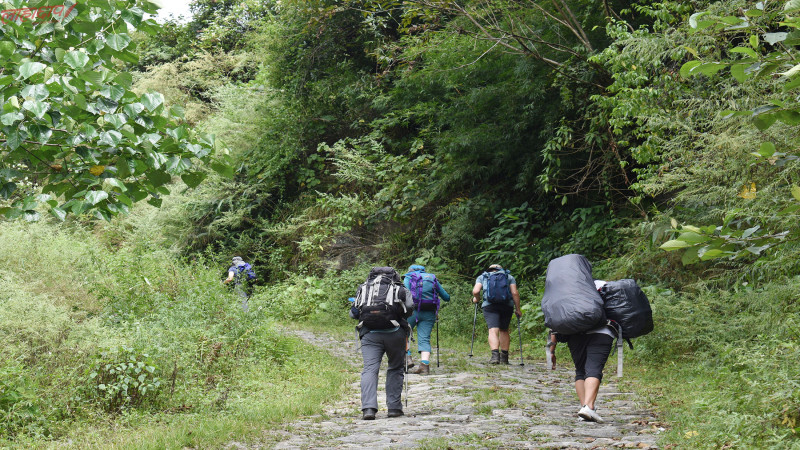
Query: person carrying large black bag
(588, 314)
(573, 309)
(382, 306)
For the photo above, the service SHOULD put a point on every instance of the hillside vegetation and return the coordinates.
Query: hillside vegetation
(658, 139)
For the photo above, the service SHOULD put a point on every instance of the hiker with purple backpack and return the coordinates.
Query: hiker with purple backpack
(426, 291)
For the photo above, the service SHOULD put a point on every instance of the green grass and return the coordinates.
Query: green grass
(72, 308)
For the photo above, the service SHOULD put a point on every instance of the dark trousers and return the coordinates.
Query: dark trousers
(373, 346)
(590, 353)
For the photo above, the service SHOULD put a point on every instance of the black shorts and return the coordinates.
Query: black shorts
(498, 316)
(590, 353)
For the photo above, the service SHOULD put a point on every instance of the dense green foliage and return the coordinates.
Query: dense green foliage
(75, 136)
(456, 135)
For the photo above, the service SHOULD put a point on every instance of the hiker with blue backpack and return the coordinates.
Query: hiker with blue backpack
(242, 275)
(500, 301)
(426, 293)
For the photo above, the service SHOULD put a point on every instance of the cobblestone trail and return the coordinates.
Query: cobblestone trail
(467, 403)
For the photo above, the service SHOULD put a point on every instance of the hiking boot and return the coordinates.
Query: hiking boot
(369, 414)
(423, 369)
(503, 357)
(495, 357)
(589, 415)
(395, 413)
(409, 363)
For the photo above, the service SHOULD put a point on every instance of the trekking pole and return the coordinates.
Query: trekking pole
(437, 341)
(405, 375)
(519, 331)
(474, 318)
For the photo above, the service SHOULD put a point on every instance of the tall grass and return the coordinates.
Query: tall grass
(127, 345)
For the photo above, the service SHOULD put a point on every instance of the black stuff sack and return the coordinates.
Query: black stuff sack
(571, 303)
(626, 304)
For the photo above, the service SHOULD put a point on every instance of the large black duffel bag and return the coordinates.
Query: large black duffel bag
(571, 303)
(626, 304)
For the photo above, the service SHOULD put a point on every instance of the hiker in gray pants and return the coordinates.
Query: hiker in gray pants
(382, 306)
(373, 345)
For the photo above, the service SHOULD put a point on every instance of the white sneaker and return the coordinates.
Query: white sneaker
(589, 415)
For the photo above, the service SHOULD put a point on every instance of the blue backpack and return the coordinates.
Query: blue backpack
(246, 269)
(422, 282)
(496, 289)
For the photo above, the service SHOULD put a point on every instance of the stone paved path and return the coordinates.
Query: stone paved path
(466, 403)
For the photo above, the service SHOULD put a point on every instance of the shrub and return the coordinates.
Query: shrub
(123, 377)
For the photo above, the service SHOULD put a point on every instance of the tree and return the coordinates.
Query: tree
(72, 128)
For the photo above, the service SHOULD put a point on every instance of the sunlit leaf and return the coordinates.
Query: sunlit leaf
(748, 191)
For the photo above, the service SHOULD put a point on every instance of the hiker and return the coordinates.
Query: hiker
(425, 291)
(573, 310)
(590, 351)
(382, 306)
(500, 300)
(242, 274)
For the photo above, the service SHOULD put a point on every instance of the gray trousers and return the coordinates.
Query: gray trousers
(373, 346)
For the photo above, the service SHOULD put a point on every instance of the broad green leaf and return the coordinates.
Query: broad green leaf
(35, 92)
(118, 41)
(223, 169)
(764, 121)
(791, 84)
(96, 78)
(674, 244)
(789, 117)
(754, 41)
(30, 69)
(36, 107)
(692, 228)
(111, 138)
(14, 139)
(95, 197)
(7, 49)
(692, 238)
(124, 79)
(193, 179)
(686, 69)
(8, 188)
(737, 71)
(749, 232)
(155, 201)
(767, 149)
(115, 183)
(796, 192)
(694, 17)
(151, 101)
(709, 69)
(177, 111)
(10, 118)
(76, 59)
(747, 51)
(58, 213)
(158, 177)
(712, 254)
(792, 6)
(690, 256)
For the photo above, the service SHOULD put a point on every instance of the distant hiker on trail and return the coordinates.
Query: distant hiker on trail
(242, 275)
(426, 292)
(500, 300)
(382, 306)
